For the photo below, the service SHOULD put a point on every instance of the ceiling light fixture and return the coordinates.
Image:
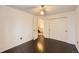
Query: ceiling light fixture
(42, 11)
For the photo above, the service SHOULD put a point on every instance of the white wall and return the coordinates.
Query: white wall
(77, 26)
(13, 25)
(70, 25)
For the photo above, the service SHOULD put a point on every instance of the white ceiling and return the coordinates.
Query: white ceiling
(50, 9)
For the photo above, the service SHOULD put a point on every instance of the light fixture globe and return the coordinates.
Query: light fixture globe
(42, 12)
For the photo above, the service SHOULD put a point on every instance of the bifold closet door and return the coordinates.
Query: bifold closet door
(58, 29)
(54, 29)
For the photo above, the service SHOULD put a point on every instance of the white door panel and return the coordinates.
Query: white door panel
(58, 29)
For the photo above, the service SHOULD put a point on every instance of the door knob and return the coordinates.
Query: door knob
(66, 31)
(33, 30)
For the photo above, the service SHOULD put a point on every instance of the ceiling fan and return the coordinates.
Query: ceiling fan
(42, 10)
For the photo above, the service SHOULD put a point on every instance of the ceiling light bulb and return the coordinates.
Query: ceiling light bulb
(42, 12)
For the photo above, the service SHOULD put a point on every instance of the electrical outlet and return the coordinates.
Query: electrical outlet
(20, 38)
(77, 42)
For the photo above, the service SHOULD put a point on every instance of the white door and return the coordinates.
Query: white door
(35, 28)
(58, 29)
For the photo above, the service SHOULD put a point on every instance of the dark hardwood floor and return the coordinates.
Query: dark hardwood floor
(49, 45)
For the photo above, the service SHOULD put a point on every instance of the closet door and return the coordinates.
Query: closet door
(58, 29)
(46, 29)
